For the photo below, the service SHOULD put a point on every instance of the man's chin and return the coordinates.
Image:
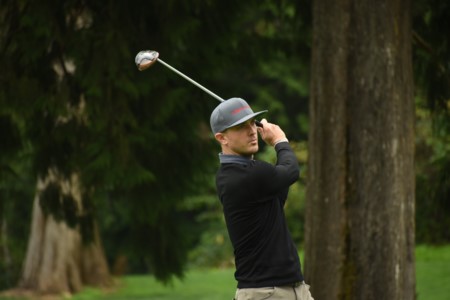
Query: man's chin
(252, 150)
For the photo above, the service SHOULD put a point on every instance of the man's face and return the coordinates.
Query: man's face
(241, 139)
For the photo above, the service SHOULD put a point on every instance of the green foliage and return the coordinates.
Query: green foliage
(17, 185)
(432, 181)
(133, 138)
(214, 247)
(64, 208)
(432, 54)
(50, 201)
(272, 69)
(10, 141)
(432, 74)
(70, 210)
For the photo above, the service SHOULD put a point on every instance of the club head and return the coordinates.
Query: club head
(145, 59)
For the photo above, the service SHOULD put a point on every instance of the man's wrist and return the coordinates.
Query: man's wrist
(280, 141)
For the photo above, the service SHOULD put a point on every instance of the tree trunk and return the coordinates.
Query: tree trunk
(360, 199)
(57, 260)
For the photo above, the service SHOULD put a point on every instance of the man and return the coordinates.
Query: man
(253, 194)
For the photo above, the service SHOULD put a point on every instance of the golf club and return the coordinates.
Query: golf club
(146, 58)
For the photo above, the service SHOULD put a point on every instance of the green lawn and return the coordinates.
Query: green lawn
(198, 285)
(432, 271)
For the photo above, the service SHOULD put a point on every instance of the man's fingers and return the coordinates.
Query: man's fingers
(260, 130)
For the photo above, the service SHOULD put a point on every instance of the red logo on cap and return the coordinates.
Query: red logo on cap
(238, 110)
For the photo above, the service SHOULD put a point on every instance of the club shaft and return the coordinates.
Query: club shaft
(191, 80)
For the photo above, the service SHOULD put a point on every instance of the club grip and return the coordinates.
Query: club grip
(259, 124)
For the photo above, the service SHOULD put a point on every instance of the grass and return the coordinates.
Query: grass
(432, 280)
(432, 274)
(211, 284)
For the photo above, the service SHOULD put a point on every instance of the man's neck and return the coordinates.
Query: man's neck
(228, 152)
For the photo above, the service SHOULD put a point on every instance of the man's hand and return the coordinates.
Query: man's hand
(271, 133)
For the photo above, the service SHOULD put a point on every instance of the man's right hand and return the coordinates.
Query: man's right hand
(271, 133)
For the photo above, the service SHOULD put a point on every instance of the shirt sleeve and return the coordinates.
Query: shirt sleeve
(276, 179)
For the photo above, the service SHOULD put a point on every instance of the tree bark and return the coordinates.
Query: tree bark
(360, 198)
(57, 260)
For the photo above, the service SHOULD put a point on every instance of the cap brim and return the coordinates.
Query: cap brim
(246, 118)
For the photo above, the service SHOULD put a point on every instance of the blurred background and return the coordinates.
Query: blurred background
(107, 171)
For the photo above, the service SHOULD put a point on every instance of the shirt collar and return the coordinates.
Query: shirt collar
(234, 159)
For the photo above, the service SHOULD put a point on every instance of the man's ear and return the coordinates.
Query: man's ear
(220, 137)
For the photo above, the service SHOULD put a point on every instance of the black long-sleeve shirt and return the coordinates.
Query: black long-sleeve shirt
(253, 194)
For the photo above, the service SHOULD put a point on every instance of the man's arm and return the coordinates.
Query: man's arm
(286, 170)
(274, 136)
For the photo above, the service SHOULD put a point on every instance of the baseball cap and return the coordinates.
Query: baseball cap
(231, 112)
